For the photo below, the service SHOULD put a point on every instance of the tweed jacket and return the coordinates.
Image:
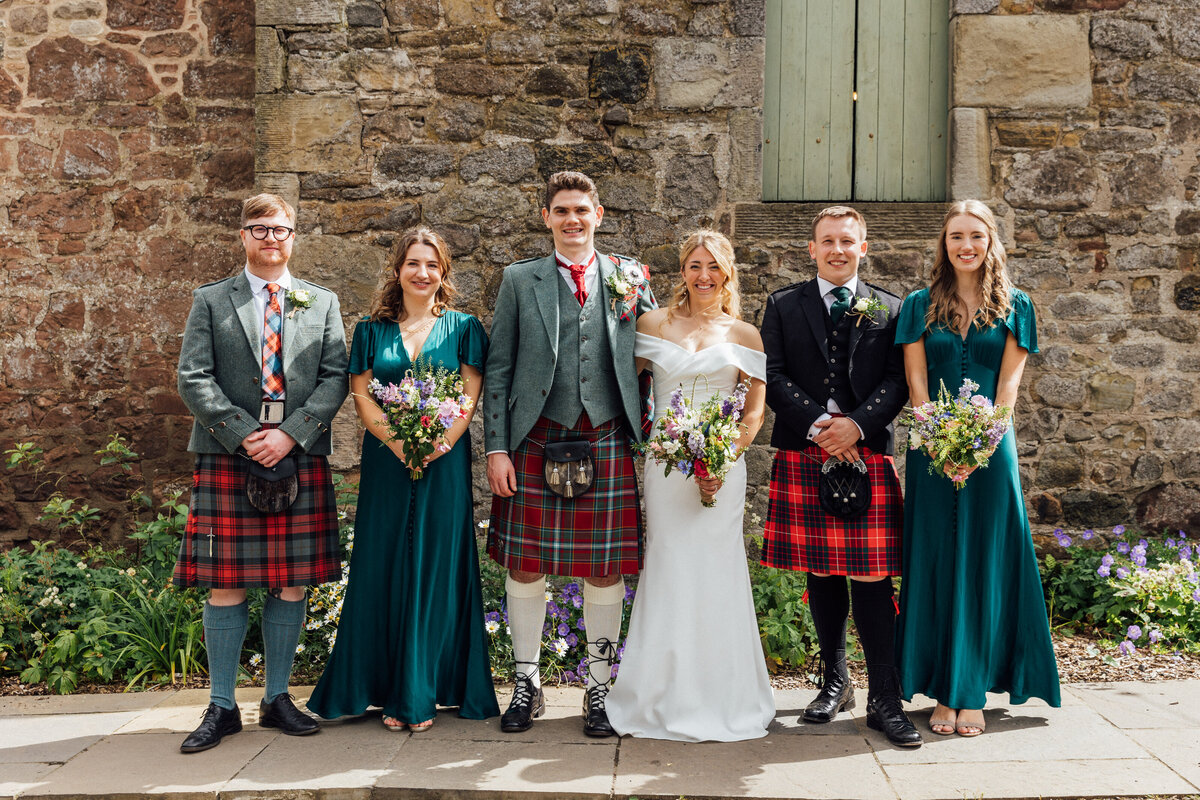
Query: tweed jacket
(523, 350)
(794, 337)
(220, 367)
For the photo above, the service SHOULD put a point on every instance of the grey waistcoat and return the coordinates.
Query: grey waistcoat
(584, 379)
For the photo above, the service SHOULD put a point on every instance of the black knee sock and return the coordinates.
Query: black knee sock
(829, 603)
(875, 619)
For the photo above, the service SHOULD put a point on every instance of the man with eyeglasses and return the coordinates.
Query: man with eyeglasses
(263, 370)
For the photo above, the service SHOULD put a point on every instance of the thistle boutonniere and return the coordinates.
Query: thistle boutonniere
(870, 308)
(624, 286)
(298, 299)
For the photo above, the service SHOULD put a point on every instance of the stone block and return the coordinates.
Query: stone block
(32, 158)
(1026, 61)
(691, 182)
(1170, 80)
(300, 133)
(458, 120)
(1118, 139)
(527, 13)
(627, 192)
(365, 15)
(369, 215)
(589, 158)
(407, 15)
(270, 60)
(411, 162)
(690, 74)
(284, 184)
(1060, 465)
(619, 73)
(516, 47)
(973, 6)
(10, 92)
(392, 125)
(472, 204)
(1061, 179)
(67, 69)
(1172, 506)
(223, 79)
(32, 20)
(87, 155)
(231, 27)
(169, 45)
(970, 168)
(1086, 508)
(146, 15)
(744, 183)
(554, 80)
(481, 80)
(749, 17)
(652, 21)
(382, 71)
(230, 169)
(1185, 35)
(526, 120)
(510, 164)
(1110, 392)
(1143, 257)
(1146, 179)
(1125, 38)
(298, 12)
(72, 211)
(1059, 391)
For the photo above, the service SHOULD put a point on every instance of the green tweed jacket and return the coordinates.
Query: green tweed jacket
(523, 350)
(220, 367)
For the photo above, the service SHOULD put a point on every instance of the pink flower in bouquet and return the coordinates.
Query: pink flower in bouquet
(426, 420)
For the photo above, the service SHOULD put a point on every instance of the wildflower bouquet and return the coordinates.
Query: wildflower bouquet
(957, 432)
(699, 441)
(420, 409)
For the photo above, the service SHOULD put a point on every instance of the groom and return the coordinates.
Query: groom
(560, 368)
(835, 380)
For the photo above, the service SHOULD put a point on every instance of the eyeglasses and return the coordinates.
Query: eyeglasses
(280, 232)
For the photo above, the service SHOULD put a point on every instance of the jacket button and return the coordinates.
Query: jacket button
(883, 391)
(222, 424)
(237, 416)
(212, 430)
(543, 392)
(254, 380)
(796, 394)
(307, 418)
(495, 416)
(870, 408)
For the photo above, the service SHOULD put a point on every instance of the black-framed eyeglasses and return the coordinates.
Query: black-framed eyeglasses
(279, 232)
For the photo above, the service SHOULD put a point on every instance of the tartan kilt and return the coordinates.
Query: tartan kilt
(799, 534)
(591, 536)
(229, 544)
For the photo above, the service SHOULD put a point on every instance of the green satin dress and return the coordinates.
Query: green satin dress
(972, 611)
(411, 634)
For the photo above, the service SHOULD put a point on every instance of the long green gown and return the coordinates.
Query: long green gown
(411, 634)
(972, 612)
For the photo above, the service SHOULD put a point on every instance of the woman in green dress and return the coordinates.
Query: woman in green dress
(411, 634)
(972, 612)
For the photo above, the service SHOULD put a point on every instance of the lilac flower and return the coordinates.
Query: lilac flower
(1087, 534)
(677, 400)
(580, 626)
(563, 630)
(551, 609)
(570, 677)
(1103, 570)
(1133, 633)
(1196, 595)
(1119, 529)
(1155, 636)
(570, 589)
(1127, 648)
(1063, 539)
(572, 639)
(1182, 535)
(1123, 548)
(577, 601)
(695, 442)
(1185, 553)
(1107, 560)
(491, 616)
(1122, 573)
(628, 594)
(1143, 544)
(967, 389)
(1171, 543)
(1139, 561)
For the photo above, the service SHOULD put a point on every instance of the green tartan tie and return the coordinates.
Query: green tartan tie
(841, 305)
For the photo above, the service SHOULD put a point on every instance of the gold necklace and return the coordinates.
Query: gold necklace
(418, 328)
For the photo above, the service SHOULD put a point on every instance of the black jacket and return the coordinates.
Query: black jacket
(793, 333)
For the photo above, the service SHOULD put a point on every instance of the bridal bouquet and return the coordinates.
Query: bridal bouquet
(420, 409)
(957, 432)
(699, 441)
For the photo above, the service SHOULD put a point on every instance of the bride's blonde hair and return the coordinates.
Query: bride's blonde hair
(721, 249)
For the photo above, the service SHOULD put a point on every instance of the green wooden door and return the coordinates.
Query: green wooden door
(856, 100)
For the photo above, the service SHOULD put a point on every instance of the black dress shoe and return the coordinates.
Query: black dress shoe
(282, 713)
(885, 713)
(218, 722)
(595, 718)
(527, 703)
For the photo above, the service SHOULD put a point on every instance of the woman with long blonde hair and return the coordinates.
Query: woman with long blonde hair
(411, 635)
(693, 668)
(972, 615)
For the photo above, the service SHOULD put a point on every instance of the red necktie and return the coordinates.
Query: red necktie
(577, 271)
(272, 354)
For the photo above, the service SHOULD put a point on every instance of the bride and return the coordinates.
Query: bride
(693, 668)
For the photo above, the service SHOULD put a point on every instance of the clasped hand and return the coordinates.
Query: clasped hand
(268, 446)
(838, 436)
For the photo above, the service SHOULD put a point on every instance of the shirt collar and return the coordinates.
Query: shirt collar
(258, 285)
(826, 287)
(565, 262)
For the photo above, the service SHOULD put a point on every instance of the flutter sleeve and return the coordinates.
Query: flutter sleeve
(472, 343)
(911, 325)
(1022, 321)
(362, 347)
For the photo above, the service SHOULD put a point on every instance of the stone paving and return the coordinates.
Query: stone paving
(1107, 740)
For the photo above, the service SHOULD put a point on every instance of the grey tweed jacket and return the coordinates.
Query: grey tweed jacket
(220, 367)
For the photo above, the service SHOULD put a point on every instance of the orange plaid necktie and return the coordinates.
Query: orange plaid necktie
(272, 354)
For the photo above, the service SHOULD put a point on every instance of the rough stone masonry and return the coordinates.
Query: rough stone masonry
(126, 140)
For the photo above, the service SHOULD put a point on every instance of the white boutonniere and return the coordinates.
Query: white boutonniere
(298, 299)
(624, 286)
(869, 308)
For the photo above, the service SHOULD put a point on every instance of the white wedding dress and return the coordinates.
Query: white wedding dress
(693, 667)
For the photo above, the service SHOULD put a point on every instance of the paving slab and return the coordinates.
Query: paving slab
(52, 738)
(79, 703)
(783, 766)
(1021, 779)
(345, 754)
(1178, 748)
(20, 778)
(1137, 704)
(502, 769)
(150, 763)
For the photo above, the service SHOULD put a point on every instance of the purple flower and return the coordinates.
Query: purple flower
(1063, 539)
(1122, 573)
(572, 640)
(570, 589)
(563, 629)
(1088, 534)
(1133, 633)
(1143, 544)
(580, 626)
(1127, 648)
(1171, 543)
(1103, 570)
(677, 400)
(1182, 535)
(1155, 636)
(1119, 529)
(491, 616)
(1123, 548)
(570, 677)
(577, 601)
(1107, 560)
(1196, 595)
(1139, 561)
(1185, 553)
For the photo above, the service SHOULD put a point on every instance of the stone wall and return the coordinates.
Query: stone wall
(126, 136)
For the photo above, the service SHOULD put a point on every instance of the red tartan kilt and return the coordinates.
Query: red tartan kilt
(594, 535)
(229, 544)
(799, 534)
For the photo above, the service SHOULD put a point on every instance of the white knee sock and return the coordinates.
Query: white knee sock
(602, 606)
(526, 617)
